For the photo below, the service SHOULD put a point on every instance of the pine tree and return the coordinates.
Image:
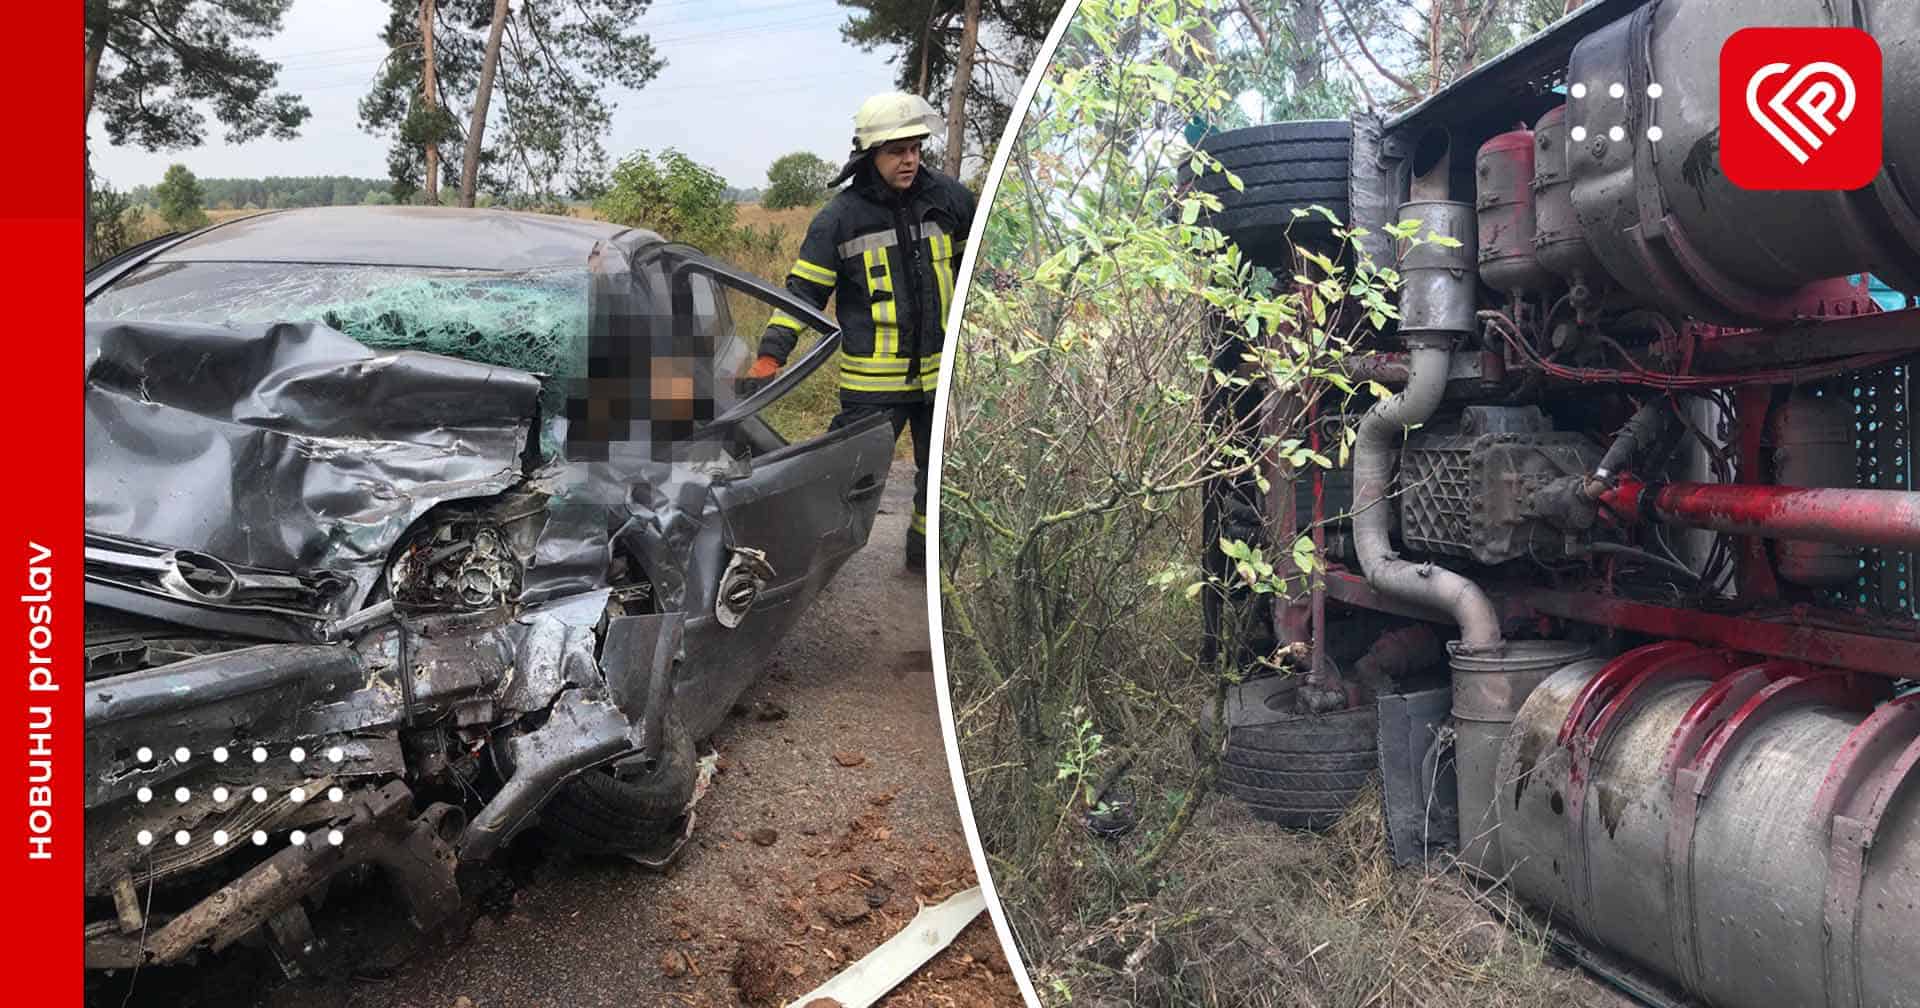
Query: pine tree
(542, 113)
(153, 68)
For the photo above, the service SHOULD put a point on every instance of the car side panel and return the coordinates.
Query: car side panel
(809, 507)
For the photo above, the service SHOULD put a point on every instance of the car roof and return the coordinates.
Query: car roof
(432, 237)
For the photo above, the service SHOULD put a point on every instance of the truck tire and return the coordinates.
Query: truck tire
(626, 809)
(1282, 167)
(1299, 770)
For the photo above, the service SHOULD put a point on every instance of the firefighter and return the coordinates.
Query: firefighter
(888, 246)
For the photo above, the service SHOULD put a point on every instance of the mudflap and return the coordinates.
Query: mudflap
(1416, 774)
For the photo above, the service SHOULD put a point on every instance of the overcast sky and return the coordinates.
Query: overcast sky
(745, 82)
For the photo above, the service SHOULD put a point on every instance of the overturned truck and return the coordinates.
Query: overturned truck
(1618, 591)
(410, 530)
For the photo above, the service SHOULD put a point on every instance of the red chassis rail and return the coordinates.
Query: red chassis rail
(1886, 519)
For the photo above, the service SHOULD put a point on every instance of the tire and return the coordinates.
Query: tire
(1301, 771)
(1282, 167)
(623, 810)
(1297, 779)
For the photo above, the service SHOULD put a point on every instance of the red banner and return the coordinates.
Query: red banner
(41, 552)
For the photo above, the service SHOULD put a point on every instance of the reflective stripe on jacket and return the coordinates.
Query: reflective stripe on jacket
(889, 261)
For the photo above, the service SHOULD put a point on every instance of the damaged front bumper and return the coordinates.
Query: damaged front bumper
(294, 763)
(414, 852)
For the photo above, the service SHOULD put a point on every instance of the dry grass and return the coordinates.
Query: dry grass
(216, 216)
(755, 215)
(1251, 914)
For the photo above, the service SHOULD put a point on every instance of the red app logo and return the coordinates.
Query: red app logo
(1800, 108)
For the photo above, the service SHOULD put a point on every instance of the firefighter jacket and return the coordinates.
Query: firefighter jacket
(889, 258)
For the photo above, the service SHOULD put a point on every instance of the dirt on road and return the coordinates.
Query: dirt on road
(830, 821)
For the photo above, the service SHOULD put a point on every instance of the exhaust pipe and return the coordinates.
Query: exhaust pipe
(1437, 305)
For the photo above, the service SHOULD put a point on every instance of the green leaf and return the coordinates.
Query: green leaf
(1304, 556)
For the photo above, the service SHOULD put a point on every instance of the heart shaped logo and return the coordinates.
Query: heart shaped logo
(1800, 108)
(1805, 103)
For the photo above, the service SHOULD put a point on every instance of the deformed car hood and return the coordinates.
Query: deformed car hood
(289, 445)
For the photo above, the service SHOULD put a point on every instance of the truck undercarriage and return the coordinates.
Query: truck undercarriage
(1622, 572)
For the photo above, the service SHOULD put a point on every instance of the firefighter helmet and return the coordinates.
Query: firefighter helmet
(895, 115)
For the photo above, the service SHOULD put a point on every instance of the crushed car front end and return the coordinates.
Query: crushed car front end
(355, 607)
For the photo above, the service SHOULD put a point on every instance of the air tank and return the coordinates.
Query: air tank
(1558, 243)
(1503, 180)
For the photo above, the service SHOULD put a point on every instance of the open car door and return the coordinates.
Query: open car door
(793, 505)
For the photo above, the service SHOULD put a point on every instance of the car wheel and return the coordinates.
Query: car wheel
(628, 807)
(1298, 770)
(1282, 167)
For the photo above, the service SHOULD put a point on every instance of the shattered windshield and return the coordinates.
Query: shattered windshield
(533, 321)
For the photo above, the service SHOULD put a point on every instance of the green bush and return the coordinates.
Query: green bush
(672, 194)
(1078, 444)
(113, 223)
(797, 179)
(179, 198)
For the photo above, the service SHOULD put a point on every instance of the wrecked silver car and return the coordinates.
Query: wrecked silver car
(410, 529)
